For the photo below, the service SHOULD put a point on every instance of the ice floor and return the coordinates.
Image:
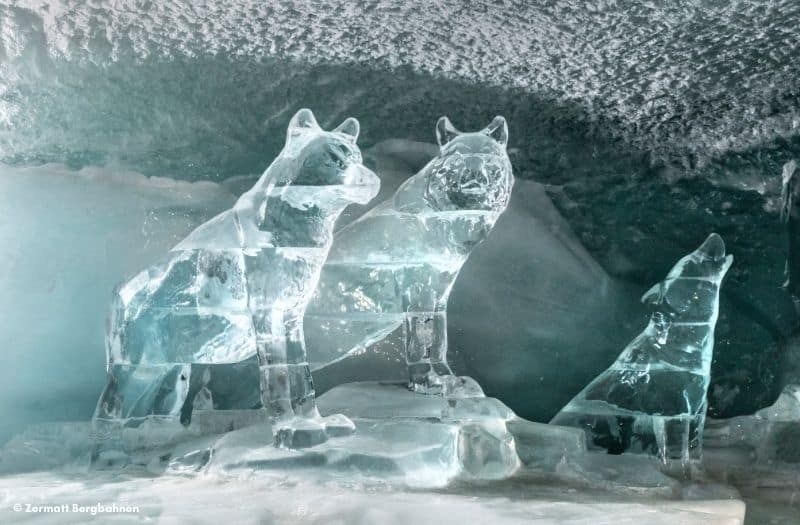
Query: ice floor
(280, 501)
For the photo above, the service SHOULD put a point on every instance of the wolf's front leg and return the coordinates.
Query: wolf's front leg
(287, 387)
(426, 357)
(426, 349)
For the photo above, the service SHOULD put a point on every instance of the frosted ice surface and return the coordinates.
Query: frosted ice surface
(653, 398)
(218, 323)
(395, 266)
(207, 500)
(649, 68)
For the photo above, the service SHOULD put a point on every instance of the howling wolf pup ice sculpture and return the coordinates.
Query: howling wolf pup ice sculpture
(652, 399)
(395, 266)
(218, 324)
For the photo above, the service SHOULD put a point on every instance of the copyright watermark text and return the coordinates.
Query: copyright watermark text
(77, 508)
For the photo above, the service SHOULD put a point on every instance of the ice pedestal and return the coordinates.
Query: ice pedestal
(391, 434)
(473, 429)
(419, 440)
(400, 436)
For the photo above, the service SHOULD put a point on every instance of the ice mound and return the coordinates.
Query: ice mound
(400, 437)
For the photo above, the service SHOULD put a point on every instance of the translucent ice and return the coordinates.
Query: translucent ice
(218, 323)
(653, 398)
(394, 267)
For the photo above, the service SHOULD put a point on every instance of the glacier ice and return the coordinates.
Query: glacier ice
(652, 399)
(218, 323)
(649, 106)
(790, 216)
(394, 267)
(760, 452)
(789, 399)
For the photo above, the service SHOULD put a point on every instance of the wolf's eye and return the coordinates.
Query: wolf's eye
(338, 156)
(337, 161)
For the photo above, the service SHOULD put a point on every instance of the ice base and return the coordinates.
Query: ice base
(400, 436)
(154, 441)
(371, 431)
(377, 432)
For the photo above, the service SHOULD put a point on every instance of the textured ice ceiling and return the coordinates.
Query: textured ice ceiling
(683, 80)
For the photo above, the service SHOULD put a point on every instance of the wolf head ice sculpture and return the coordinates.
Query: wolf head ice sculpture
(218, 324)
(653, 398)
(395, 266)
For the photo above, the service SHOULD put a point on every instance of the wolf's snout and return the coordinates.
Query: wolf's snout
(713, 247)
(364, 183)
(475, 177)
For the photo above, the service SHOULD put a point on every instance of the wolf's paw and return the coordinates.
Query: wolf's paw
(448, 385)
(309, 432)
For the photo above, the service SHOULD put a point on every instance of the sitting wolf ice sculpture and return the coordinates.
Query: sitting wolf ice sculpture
(395, 266)
(653, 398)
(218, 324)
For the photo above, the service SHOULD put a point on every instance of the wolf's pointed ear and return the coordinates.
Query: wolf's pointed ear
(445, 131)
(302, 120)
(498, 130)
(349, 127)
